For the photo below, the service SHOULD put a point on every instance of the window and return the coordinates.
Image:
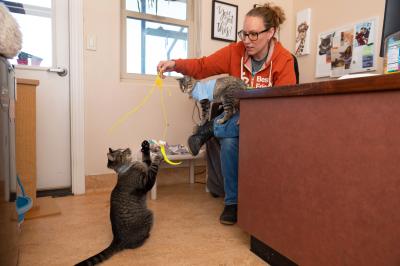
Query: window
(35, 21)
(154, 30)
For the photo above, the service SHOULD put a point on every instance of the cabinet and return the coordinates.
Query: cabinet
(319, 172)
(25, 139)
(25, 127)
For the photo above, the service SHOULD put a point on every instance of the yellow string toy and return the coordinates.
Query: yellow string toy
(166, 158)
(157, 84)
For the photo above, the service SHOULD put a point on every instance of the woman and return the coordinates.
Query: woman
(260, 61)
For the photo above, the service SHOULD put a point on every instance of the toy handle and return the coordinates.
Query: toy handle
(20, 186)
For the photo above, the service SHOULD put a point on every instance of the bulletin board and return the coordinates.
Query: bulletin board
(347, 49)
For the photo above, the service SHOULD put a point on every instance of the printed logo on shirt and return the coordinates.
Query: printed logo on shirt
(245, 79)
(262, 79)
(263, 82)
(261, 85)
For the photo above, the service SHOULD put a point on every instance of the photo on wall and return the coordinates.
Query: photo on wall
(303, 28)
(324, 45)
(362, 33)
(364, 46)
(341, 52)
(224, 21)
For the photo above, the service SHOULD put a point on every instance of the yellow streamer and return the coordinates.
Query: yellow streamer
(132, 111)
(159, 81)
(159, 84)
(164, 115)
(166, 158)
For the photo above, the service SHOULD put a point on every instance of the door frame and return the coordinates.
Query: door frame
(77, 100)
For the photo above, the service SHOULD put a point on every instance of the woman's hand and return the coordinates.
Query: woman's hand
(165, 66)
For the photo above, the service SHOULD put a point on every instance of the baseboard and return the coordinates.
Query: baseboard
(12, 196)
(55, 193)
(62, 192)
(271, 256)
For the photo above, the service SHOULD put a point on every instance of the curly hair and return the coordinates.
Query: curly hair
(273, 16)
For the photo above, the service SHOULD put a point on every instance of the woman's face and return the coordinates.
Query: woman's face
(259, 48)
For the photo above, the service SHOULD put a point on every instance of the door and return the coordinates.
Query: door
(44, 56)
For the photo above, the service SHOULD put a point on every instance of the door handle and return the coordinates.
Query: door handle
(59, 70)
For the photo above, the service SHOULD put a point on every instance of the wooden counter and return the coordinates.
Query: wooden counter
(319, 172)
(25, 134)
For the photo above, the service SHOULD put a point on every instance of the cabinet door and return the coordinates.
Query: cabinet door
(4, 131)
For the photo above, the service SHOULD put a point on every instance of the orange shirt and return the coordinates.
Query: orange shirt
(233, 60)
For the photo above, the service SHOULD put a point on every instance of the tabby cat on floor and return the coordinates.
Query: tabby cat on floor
(131, 220)
(220, 90)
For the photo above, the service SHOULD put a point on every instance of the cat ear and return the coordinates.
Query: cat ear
(110, 150)
(127, 151)
(110, 157)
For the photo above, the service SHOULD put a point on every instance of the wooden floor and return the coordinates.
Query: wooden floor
(186, 232)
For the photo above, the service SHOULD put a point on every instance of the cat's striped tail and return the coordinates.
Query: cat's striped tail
(102, 256)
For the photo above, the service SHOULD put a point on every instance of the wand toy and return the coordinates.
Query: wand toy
(158, 83)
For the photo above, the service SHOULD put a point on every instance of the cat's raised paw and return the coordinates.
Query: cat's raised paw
(221, 121)
(145, 146)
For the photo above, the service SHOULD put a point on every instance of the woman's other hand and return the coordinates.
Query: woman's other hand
(165, 66)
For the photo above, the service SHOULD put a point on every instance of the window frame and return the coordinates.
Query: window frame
(125, 14)
(36, 11)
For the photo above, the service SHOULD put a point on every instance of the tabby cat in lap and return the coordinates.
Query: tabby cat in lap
(131, 221)
(220, 90)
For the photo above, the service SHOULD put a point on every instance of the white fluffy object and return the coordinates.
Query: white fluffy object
(10, 35)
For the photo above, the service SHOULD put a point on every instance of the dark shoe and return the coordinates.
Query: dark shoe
(214, 195)
(203, 133)
(229, 215)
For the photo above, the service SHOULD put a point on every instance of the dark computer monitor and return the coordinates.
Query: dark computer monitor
(391, 21)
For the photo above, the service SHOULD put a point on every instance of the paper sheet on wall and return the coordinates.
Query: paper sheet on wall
(323, 62)
(303, 23)
(341, 52)
(364, 46)
(349, 49)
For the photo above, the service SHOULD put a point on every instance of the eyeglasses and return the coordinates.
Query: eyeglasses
(253, 36)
